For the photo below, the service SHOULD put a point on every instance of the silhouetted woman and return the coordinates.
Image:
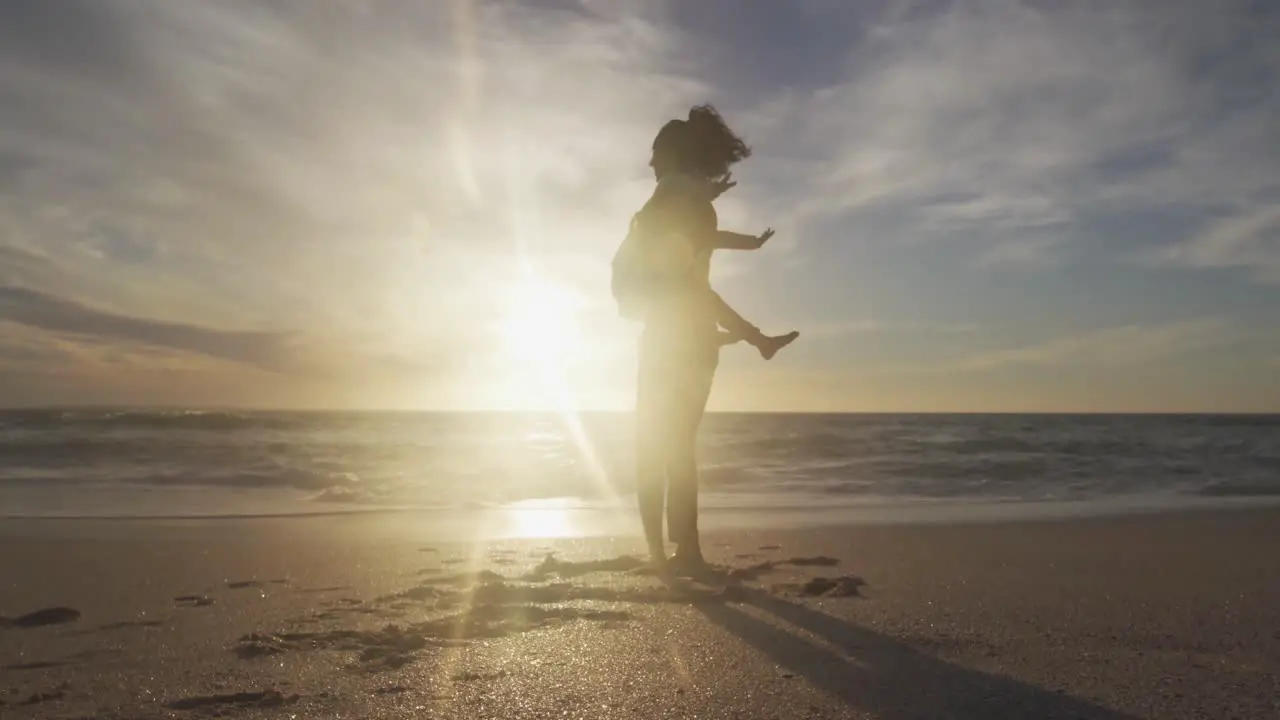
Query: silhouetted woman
(661, 277)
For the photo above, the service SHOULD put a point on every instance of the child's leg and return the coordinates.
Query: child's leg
(737, 326)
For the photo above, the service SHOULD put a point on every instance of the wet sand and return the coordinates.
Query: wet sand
(1162, 616)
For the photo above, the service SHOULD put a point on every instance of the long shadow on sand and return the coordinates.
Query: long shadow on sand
(886, 677)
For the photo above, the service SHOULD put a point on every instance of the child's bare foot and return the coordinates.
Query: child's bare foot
(771, 344)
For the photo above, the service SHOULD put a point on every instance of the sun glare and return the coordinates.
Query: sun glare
(540, 323)
(539, 519)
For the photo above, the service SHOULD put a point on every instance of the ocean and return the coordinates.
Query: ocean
(96, 463)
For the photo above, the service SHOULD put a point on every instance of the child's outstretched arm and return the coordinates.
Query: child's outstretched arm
(729, 240)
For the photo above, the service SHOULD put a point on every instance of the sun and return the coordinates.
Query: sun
(540, 322)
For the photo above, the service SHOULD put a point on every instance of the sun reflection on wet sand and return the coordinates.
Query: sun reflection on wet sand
(543, 518)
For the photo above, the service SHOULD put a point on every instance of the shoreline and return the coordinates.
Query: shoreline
(960, 511)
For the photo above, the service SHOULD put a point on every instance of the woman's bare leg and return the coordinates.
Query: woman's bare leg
(697, 372)
(652, 402)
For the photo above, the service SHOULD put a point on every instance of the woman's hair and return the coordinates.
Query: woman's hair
(702, 145)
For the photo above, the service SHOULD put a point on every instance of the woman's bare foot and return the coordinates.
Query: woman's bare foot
(771, 344)
(657, 558)
(687, 563)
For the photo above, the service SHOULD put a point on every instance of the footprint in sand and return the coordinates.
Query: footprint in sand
(263, 699)
(753, 572)
(818, 561)
(42, 665)
(121, 625)
(844, 586)
(57, 693)
(242, 584)
(331, 588)
(41, 618)
(769, 547)
(497, 613)
(193, 600)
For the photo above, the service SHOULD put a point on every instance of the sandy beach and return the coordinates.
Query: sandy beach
(1166, 616)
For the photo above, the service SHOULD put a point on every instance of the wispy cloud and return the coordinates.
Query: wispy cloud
(863, 327)
(57, 315)
(1019, 253)
(1249, 240)
(1012, 121)
(47, 332)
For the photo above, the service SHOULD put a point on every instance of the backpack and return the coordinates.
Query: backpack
(632, 281)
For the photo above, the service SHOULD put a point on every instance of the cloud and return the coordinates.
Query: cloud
(1249, 240)
(299, 160)
(1019, 253)
(1121, 346)
(346, 189)
(338, 184)
(863, 327)
(1013, 122)
(44, 333)
(46, 312)
(40, 366)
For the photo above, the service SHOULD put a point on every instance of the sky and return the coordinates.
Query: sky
(980, 206)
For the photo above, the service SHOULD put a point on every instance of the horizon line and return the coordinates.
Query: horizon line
(145, 408)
